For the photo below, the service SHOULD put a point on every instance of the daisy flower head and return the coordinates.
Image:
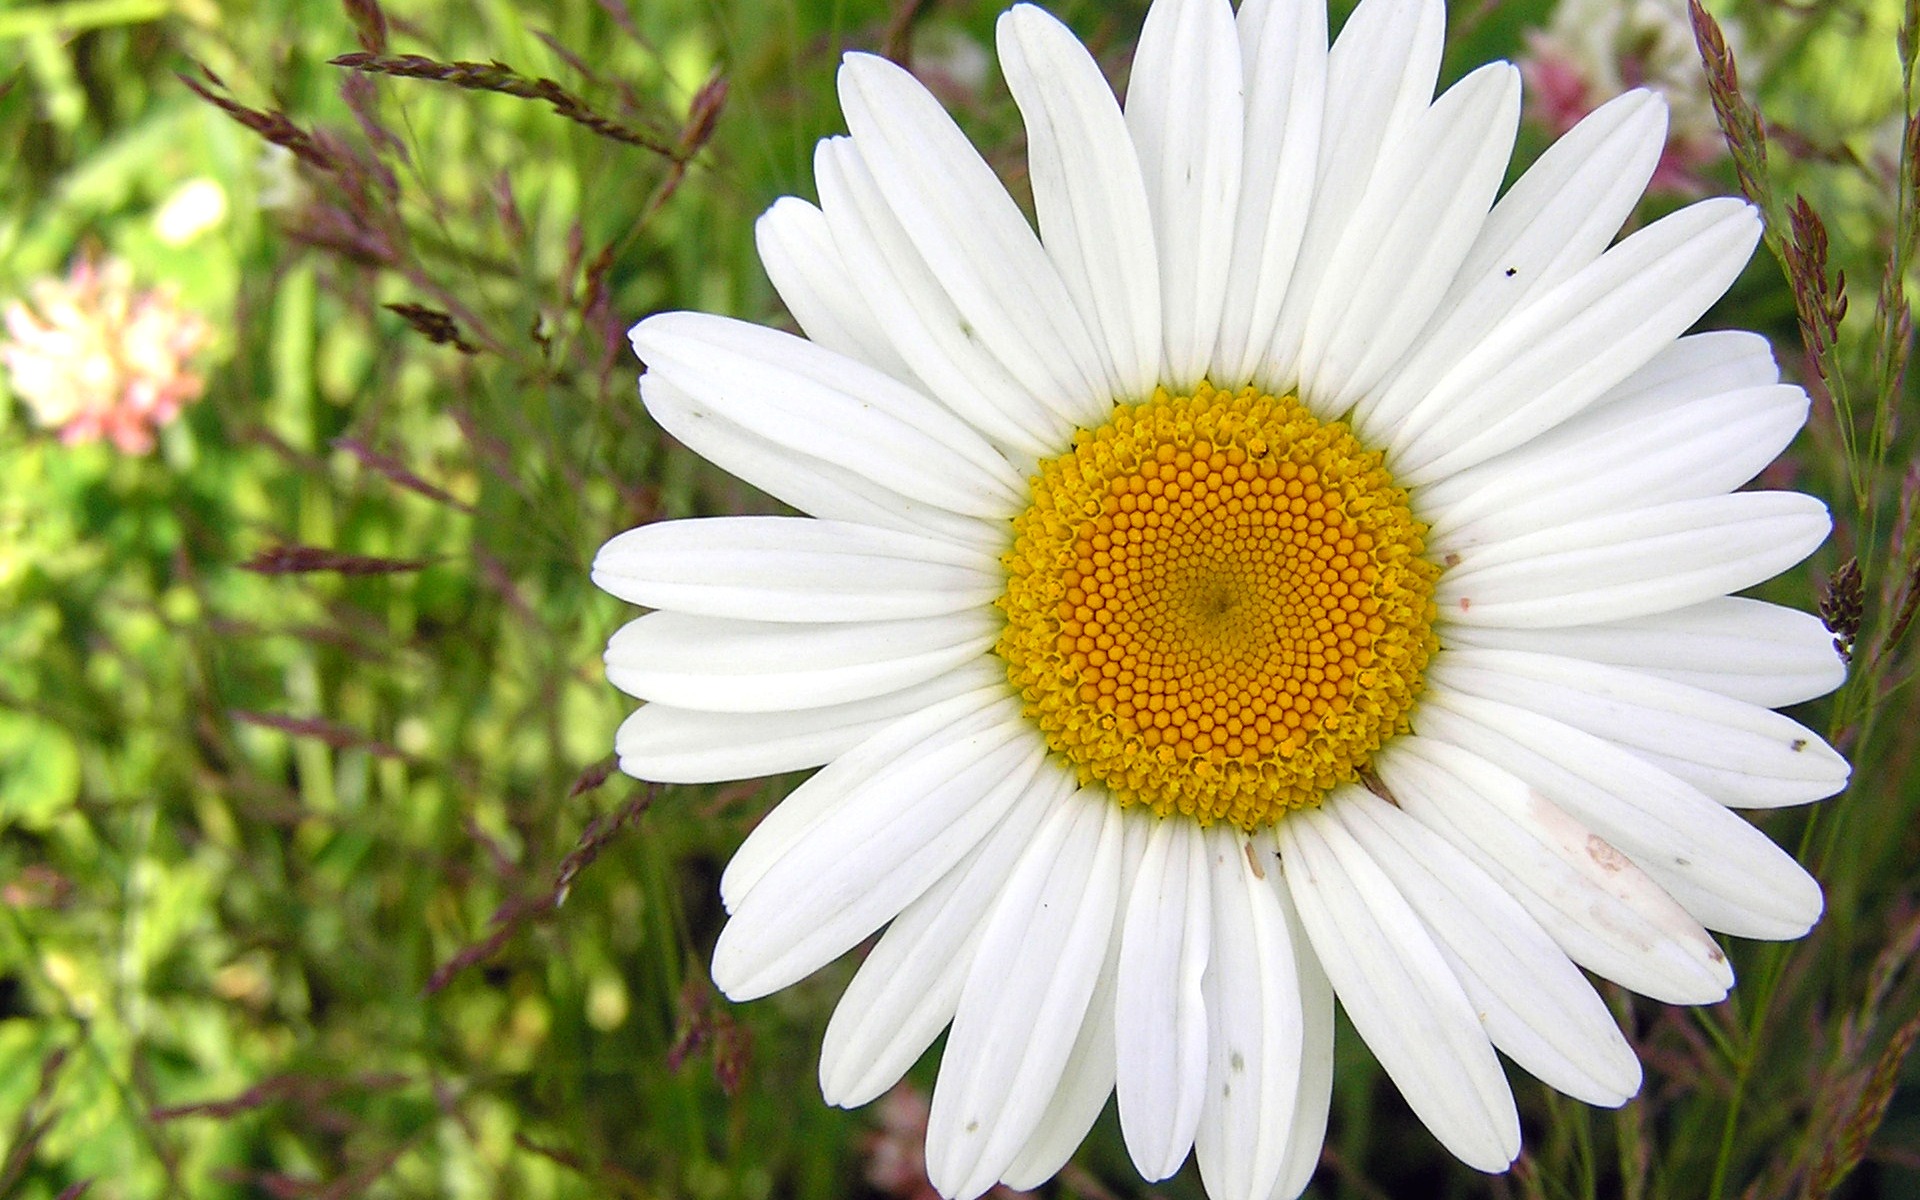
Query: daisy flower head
(1294, 570)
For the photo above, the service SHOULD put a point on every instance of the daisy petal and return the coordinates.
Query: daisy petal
(1087, 192)
(808, 398)
(809, 484)
(1163, 956)
(921, 319)
(664, 744)
(1314, 1090)
(856, 868)
(1555, 220)
(1740, 754)
(1185, 109)
(1728, 874)
(1559, 354)
(797, 250)
(1399, 991)
(1026, 997)
(972, 236)
(1536, 1005)
(1616, 458)
(1746, 649)
(1700, 364)
(1405, 242)
(720, 665)
(1632, 564)
(1283, 45)
(1091, 1065)
(1602, 910)
(1077, 1102)
(906, 990)
(1380, 77)
(916, 734)
(793, 569)
(1255, 1029)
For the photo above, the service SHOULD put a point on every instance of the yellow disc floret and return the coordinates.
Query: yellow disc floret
(1217, 605)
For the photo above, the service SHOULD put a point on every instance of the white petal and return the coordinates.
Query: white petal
(1631, 564)
(1314, 1090)
(1602, 910)
(1399, 991)
(922, 320)
(1283, 46)
(1559, 354)
(1740, 754)
(1750, 650)
(1380, 77)
(683, 745)
(1412, 230)
(1535, 1004)
(1091, 1066)
(1701, 364)
(1725, 872)
(972, 236)
(797, 249)
(1185, 109)
(1615, 458)
(856, 868)
(720, 665)
(1555, 220)
(1255, 1029)
(1163, 956)
(793, 569)
(1087, 192)
(807, 398)
(913, 736)
(905, 991)
(1026, 997)
(1077, 1102)
(809, 484)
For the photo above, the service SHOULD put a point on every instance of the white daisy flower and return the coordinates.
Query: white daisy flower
(1287, 574)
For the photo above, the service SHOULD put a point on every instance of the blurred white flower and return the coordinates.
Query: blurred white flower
(93, 358)
(281, 188)
(1594, 50)
(949, 61)
(194, 208)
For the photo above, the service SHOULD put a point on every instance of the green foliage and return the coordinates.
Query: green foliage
(313, 877)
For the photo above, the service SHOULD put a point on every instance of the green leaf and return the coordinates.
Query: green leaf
(39, 770)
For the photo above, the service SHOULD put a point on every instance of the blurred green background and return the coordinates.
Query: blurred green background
(313, 878)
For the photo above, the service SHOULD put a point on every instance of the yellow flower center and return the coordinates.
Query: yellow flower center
(1216, 605)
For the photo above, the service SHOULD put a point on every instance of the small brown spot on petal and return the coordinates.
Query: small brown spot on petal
(1799, 744)
(1602, 851)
